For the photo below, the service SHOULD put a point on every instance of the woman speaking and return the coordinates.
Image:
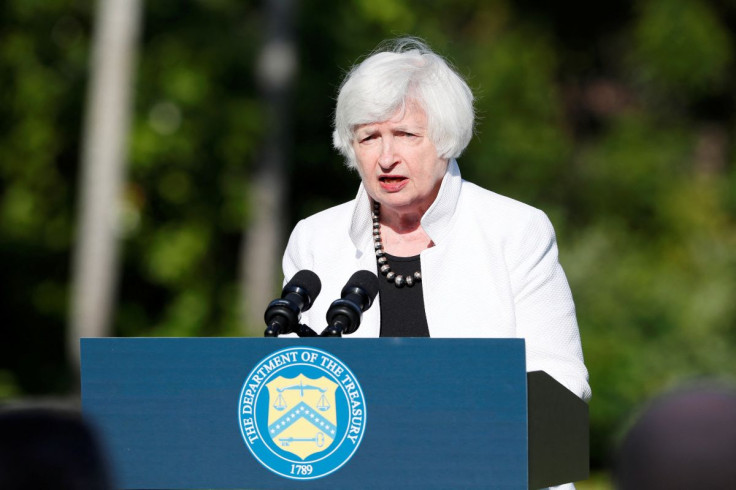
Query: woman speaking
(453, 259)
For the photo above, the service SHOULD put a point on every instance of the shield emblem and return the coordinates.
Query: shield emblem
(301, 414)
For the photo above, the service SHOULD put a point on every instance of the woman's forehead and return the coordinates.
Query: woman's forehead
(410, 114)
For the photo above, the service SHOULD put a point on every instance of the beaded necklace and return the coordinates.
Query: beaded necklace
(397, 279)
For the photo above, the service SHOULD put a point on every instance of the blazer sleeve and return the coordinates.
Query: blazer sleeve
(545, 311)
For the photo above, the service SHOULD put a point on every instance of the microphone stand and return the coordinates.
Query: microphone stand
(302, 331)
(305, 331)
(335, 329)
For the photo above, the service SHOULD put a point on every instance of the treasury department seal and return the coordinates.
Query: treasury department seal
(302, 413)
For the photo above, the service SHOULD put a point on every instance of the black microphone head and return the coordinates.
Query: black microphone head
(306, 283)
(344, 314)
(365, 280)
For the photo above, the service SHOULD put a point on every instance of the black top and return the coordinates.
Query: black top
(402, 309)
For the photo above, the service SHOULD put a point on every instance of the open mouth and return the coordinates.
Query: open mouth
(391, 179)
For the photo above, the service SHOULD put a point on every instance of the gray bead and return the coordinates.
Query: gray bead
(385, 269)
(382, 260)
(399, 281)
(390, 276)
(417, 276)
(409, 281)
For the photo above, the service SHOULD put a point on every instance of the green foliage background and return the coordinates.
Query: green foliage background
(616, 118)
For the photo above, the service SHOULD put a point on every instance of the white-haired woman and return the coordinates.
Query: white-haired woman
(453, 259)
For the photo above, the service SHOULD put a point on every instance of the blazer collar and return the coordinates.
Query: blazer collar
(436, 221)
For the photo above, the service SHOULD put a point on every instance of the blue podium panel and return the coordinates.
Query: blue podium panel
(309, 413)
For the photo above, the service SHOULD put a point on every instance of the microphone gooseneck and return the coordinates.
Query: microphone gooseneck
(282, 315)
(345, 314)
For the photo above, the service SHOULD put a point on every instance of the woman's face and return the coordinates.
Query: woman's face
(398, 163)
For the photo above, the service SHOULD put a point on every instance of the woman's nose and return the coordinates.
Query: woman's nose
(386, 158)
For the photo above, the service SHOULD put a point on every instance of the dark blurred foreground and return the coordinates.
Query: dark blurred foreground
(49, 448)
(684, 440)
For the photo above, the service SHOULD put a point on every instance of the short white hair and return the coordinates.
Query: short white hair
(397, 73)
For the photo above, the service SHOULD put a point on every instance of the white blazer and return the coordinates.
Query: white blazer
(493, 272)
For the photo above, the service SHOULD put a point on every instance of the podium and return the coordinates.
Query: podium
(185, 413)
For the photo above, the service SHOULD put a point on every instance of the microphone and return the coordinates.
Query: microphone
(345, 314)
(282, 315)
